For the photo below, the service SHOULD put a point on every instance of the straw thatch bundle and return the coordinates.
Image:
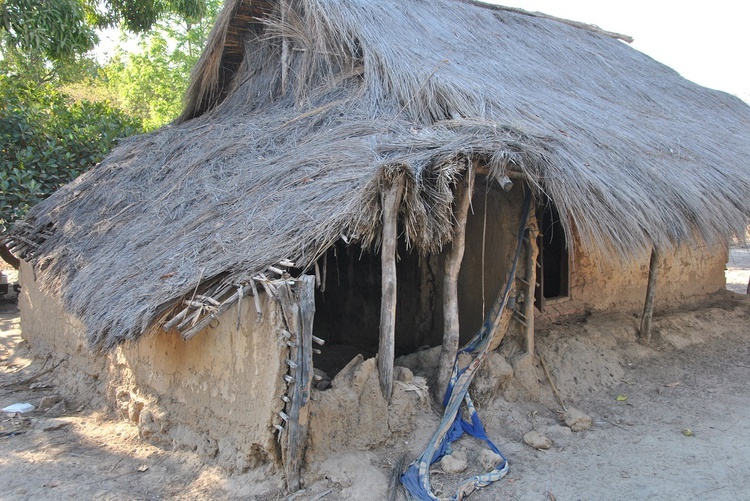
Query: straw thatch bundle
(301, 110)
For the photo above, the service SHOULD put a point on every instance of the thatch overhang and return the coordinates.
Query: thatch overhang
(299, 112)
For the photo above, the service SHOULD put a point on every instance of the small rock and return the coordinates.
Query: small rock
(558, 431)
(135, 408)
(537, 440)
(49, 401)
(323, 385)
(54, 424)
(403, 374)
(56, 410)
(454, 463)
(490, 459)
(577, 420)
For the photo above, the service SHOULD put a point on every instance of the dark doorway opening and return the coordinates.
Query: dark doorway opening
(553, 277)
(347, 311)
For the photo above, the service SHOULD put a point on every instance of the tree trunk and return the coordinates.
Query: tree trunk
(464, 191)
(387, 345)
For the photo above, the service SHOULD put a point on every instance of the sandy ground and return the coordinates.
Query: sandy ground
(670, 421)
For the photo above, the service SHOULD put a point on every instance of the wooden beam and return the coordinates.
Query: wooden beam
(648, 307)
(390, 200)
(464, 191)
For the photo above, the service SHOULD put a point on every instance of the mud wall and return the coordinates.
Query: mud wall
(603, 283)
(503, 211)
(217, 393)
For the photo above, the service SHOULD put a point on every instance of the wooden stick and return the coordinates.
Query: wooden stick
(552, 384)
(387, 345)
(648, 307)
(256, 299)
(176, 319)
(532, 251)
(325, 272)
(241, 293)
(464, 191)
(216, 313)
(190, 320)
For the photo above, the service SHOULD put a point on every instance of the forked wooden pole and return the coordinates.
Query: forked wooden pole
(648, 307)
(391, 200)
(464, 191)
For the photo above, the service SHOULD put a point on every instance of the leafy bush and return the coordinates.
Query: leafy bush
(46, 141)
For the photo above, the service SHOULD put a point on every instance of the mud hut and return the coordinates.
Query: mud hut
(354, 171)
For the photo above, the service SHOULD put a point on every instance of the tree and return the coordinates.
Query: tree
(47, 138)
(151, 83)
(46, 141)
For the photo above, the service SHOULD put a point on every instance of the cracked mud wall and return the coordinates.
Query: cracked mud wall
(218, 393)
(686, 274)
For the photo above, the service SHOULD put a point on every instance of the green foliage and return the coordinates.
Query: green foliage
(57, 29)
(46, 141)
(49, 136)
(151, 83)
(140, 16)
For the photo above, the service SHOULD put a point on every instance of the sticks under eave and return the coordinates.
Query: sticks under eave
(464, 191)
(648, 307)
(386, 347)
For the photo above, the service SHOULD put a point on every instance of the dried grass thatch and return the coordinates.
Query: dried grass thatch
(300, 111)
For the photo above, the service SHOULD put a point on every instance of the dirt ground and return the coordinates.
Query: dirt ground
(670, 421)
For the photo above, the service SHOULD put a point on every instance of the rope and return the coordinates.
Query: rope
(416, 478)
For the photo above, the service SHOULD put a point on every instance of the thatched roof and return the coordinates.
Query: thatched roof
(297, 116)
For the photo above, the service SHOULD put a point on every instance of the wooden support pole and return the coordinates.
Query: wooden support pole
(648, 307)
(464, 191)
(299, 311)
(391, 200)
(532, 251)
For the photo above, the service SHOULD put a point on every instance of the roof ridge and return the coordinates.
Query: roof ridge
(576, 24)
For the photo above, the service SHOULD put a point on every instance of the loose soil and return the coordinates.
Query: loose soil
(670, 421)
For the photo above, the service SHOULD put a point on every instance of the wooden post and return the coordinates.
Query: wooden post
(464, 191)
(648, 307)
(386, 349)
(8, 257)
(299, 311)
(532, 251)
